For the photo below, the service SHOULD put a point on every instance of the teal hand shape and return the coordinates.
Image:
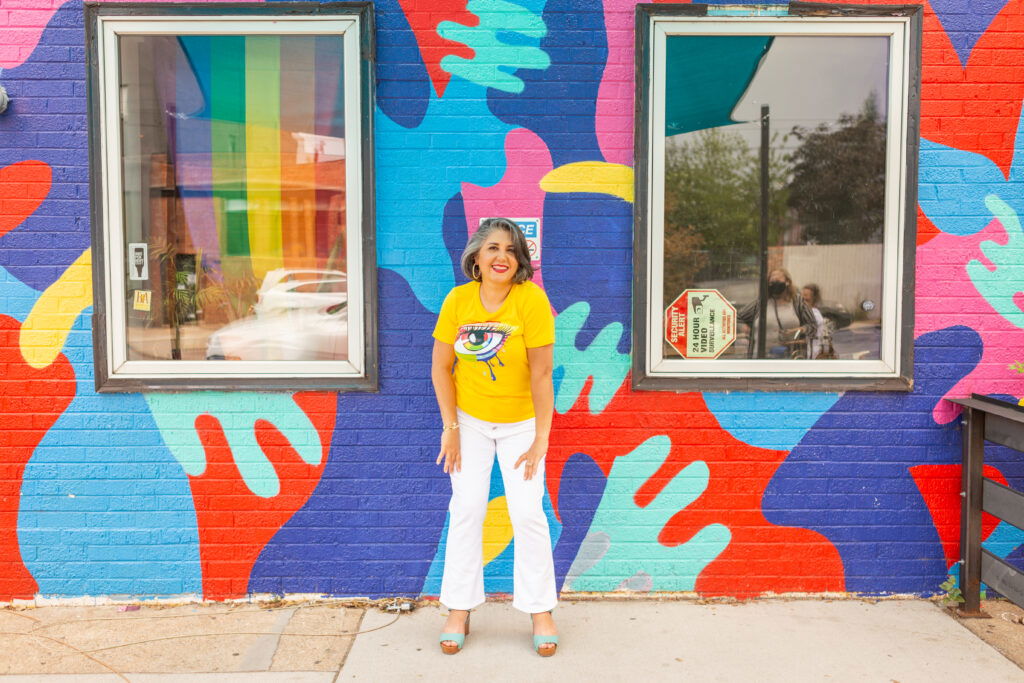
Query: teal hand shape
(495, 61)
(175, 416)
(630, 533)
(1000, 286)
(600, 360)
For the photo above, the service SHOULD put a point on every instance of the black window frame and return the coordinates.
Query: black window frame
(106, 377)
(642, 378)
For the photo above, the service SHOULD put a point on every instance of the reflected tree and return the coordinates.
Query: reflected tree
(838, 186)
(712, 199)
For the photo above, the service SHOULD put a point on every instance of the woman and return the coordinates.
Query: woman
(811, 294)
(498, 332)
(821, 343)
(788, 324)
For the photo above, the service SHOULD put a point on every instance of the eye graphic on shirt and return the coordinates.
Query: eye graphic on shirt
(482, 342)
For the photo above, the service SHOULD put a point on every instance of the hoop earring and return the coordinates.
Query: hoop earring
(476, 271)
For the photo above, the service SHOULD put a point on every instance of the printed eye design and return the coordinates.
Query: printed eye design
(482, 342)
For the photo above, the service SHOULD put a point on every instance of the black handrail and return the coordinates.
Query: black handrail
(987, 419)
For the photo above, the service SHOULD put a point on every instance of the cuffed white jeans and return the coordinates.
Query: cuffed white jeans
(533, 574)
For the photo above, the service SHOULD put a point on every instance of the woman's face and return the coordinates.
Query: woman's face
(777, 283)
(496, 259)
(808, 296)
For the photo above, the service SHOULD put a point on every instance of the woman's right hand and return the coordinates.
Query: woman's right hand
(450, 451)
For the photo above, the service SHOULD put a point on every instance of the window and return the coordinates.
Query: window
(232, 196)
(776, 177)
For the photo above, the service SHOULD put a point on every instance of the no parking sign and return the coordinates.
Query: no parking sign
(531, 231)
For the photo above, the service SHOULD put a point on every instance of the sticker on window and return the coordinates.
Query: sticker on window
(700, 323)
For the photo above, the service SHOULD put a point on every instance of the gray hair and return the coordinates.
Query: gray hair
(524, 271)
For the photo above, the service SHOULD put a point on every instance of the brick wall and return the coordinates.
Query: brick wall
(722, 493)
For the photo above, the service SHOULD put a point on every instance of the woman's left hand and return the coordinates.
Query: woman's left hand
(532, 459)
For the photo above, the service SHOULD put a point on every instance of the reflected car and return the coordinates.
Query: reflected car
(298, 315)
(837, 313)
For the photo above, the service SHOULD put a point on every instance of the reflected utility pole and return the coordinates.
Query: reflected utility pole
(762, 319)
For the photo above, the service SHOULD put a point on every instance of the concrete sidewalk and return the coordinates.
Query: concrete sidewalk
(765, 640)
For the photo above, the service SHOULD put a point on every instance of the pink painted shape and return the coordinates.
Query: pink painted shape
(518, 193)
(614, 119)
(946, 297)
(22, 23)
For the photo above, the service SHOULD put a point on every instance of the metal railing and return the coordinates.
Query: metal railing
(987, 419)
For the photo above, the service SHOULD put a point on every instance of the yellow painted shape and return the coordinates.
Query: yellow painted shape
(47, 326)
(497, 529)
(263, 151)
(598, 177)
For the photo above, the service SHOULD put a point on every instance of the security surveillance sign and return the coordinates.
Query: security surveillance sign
(138, 261)
(700, 323)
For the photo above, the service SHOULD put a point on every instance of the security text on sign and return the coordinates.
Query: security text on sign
(700, 323)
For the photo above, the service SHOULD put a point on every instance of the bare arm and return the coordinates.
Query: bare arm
(441, 362)
(541, 361)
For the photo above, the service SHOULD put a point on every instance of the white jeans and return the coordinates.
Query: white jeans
(533, 576)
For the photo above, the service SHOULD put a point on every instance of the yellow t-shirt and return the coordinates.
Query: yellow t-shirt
(492, 373)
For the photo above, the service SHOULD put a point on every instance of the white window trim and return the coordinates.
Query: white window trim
(118, 366)
(897, 30)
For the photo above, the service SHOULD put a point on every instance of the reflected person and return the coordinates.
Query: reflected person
(789, 322)
(812, 298)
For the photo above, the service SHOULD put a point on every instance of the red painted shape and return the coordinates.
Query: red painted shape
(974, 107)
(423, 17)
(977, 107)
(234, 523)
(940, 487)
(23, 187)
(31, 400)
(761, 556)
(926, 230)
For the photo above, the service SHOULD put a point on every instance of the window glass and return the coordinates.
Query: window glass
(234, 204)
(805, 117)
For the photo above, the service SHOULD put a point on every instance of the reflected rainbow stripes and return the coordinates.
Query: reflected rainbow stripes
(256, 125)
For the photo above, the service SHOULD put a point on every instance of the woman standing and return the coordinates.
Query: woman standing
(789, 322)
(498, 332)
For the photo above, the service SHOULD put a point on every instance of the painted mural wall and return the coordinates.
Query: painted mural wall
(721, 493)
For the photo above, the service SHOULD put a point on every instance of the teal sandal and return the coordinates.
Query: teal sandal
(545, 640)
(538, 641)
(458, 638)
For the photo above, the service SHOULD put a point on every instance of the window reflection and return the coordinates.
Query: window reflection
(234, 196)
(823, 164)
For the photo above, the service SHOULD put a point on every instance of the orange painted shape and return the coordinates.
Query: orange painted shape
(926, 230)
(423, 17)
(975, 108)
(23, 187)
(761, 557)
(31, 400)
(940, 487)
(234, 523)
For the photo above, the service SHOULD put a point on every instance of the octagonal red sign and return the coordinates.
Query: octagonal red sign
(700, 323)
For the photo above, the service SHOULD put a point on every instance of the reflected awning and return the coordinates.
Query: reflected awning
(705, 78)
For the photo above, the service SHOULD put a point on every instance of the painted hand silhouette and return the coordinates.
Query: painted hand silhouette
(31, 400)
(246, 482)
(629, 533)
